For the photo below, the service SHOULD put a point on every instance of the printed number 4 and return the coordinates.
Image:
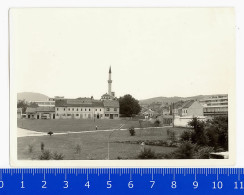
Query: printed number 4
(87, 184)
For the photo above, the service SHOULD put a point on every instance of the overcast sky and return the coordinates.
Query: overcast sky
(152, 52)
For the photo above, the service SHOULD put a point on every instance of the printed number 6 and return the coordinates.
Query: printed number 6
(130, 184)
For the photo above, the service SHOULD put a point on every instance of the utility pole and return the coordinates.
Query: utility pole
(173, 106)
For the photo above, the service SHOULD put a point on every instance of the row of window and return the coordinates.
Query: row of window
(85, 115)
(88, 109)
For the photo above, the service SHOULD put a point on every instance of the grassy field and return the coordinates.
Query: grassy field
(93, 145)
(64, 125)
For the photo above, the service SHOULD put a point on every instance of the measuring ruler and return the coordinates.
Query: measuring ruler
(122, 181)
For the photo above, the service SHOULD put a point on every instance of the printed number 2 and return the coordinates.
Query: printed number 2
(44, 184)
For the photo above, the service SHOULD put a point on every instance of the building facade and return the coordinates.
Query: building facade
(215, 105)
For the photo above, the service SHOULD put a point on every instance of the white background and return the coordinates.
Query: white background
(4, 69)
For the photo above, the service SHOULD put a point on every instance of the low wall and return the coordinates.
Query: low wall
(183, 121)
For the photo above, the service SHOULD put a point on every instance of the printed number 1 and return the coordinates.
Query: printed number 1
(22, 184)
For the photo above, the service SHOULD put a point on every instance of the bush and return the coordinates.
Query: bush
(171, 135)
(186, 136)
(157, 123)
(132, 131)
(30, 148)
(42, 146)
(147, 153)
(46, 155)
(199, 135)
(203, 152)
(58, 156)
(185, 151)
(50, 133)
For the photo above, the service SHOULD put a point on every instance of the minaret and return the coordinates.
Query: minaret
(109, 82)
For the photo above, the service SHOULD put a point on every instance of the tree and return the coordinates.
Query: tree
(22, 104)
(198, 136)
(129, 106)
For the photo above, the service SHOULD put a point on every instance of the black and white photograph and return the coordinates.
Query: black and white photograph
(122, 86)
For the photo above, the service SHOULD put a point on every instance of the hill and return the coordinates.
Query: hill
(170, 100)
(30, 96)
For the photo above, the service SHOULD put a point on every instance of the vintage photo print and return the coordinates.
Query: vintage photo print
(122, 87)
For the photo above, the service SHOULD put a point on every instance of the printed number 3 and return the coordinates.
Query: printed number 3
(66, 184)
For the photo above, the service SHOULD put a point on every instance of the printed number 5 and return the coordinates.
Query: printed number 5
(109, 185)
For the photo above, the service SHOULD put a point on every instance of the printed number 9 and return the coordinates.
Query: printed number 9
(195, 184)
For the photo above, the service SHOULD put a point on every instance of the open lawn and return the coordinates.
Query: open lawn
(93, 145)
(65, 125)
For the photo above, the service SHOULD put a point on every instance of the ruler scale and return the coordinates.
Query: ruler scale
(122, 180)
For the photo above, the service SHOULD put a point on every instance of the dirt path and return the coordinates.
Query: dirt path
(28, 133)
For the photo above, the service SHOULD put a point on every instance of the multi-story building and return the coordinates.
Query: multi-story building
(215, 105)
(45, 103)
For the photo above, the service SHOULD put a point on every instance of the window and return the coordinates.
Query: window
(81, 109)
(85, 109)
(107, 115)
(89, 109)
(108, 109)
(96, 109)
(77, 109)
(69, 109)
(100, 109)
(77, 114)
(57, 114)
(64, 109)
(115, 109)
(57, 109)
(68, 114)
(72, 109)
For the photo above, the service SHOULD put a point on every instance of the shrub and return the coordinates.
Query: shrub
(203, 152)
(77, 149)
(58, 156)
(30, 148)
(147, 153)
(171, 135)
(186, 136)
(199, 135)
(157, 123)
(132, 131)
(185, 151)
(46, 155)
(42, 146)
(50, 133)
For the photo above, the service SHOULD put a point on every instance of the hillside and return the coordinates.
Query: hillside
(171, 99)
(30, 96)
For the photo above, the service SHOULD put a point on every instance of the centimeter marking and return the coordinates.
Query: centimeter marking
(123, 171)
(218, 178)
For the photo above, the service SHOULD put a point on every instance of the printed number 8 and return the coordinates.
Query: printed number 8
(173, 184)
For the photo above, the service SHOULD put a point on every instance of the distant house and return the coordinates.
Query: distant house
(40, 113)
(149, 113)
(191, 108)
(19, 112)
